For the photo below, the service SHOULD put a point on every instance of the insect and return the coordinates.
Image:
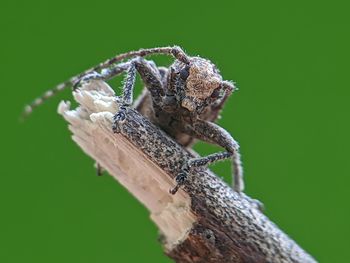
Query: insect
(184, 100)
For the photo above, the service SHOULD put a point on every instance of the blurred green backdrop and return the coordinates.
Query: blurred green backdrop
(291, 117)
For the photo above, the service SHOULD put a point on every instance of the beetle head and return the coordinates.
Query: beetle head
(203, 84)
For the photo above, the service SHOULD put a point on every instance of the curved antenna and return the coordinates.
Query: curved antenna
(175, 51)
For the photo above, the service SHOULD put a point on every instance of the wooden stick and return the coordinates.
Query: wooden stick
(206, 221)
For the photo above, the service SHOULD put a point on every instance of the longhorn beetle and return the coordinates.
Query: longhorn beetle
(184, 100)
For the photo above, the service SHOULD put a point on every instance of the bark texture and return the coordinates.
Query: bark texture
(206, 221)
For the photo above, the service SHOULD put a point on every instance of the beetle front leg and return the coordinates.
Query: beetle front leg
(127, 98)
(151, 78)
(212, 133)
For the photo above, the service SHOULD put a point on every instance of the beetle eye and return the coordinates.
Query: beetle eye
(215, 93)
(184, 73)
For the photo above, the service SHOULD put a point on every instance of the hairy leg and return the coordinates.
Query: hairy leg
(152, 79)
(127, 98)
(212, 133)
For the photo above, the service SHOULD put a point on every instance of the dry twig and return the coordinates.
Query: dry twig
(206, 221)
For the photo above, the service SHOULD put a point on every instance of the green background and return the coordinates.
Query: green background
(291, 117)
